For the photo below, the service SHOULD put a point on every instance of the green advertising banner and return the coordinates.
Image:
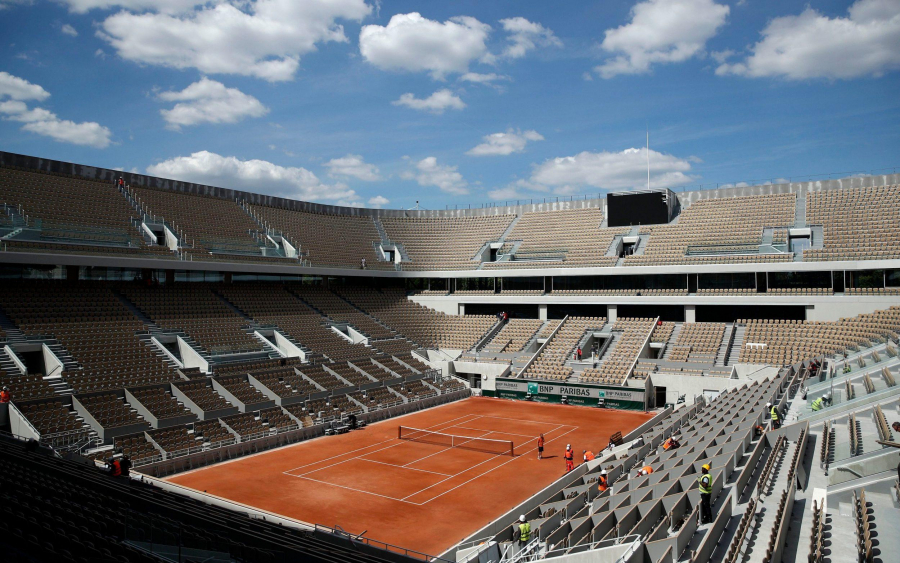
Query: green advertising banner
(605, 396)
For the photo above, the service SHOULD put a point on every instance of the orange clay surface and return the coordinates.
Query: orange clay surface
(419, 496)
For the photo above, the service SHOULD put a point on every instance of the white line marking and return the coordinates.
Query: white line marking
(397, 466)
(495, 432)
(489, 470)
(371, 446)
(468, 469)
(351, 489)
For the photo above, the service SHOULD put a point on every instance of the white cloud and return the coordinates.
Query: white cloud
(100, 54)
(478, 78)
(435, 103)
(525, 36)
(69, 30)
(811, 45)
(20, 89)
(412, 43)
(169, 6)
(205, 167)
(506, 193)
(378, 201)
(503, 144)
(208, 101)
(353, 165)
(661, 31)
(265, 39)
(42, 121)
(4, 4)
(429, 173)
(612, 170)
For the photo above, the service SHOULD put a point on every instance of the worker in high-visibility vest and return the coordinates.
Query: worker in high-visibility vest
(603, 482)
(524, 531)
(705, 486)
(587, 456)
(646, 470)
(773, 412)
(570, 458)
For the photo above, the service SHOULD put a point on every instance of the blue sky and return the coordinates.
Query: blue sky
(354, 102)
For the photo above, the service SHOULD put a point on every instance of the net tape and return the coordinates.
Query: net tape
(500, 447)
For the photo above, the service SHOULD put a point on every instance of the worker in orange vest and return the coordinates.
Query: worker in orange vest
(570, 458)
(541, 446)
(646, 470)
(603, 482)
(5, 395)
(671, 444)
(588, 456)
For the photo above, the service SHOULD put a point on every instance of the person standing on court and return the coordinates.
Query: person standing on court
(705, 486)
(570, 458)
(541, 446)
(524, 532)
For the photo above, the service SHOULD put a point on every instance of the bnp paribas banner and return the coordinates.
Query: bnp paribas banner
(606, 396)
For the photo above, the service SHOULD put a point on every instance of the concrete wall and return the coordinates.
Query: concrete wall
(52, 365)
(190, 358)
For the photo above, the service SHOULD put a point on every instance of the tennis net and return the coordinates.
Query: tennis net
(500, 447)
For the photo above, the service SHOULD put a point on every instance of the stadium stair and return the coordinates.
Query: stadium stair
(724, 348)
(800, 214)
(735, 352)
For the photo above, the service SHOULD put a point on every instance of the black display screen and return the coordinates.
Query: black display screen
(637, 209)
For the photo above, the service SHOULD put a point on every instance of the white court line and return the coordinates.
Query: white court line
(303, 476)
(495, 432)
(446, 449)
(351, 489)
(522, 420)
(371, 446)
(493, 468)
(394, 465)
(469, 469)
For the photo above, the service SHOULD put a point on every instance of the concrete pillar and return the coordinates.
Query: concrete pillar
(690, 313)
(612, 313)
(542, 312)
(462, 308)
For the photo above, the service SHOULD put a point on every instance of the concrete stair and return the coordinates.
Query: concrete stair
(735, 353)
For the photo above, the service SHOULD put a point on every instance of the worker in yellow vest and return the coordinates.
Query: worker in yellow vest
(524, 532)
(705, 486)
(773, 412)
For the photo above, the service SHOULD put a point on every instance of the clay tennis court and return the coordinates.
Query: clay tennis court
(422, 496)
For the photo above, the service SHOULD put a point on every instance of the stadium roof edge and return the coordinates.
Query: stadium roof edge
(106, 174)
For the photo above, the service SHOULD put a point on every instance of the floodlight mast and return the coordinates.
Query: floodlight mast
(648, 158)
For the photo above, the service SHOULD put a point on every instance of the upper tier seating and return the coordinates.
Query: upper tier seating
(574, 233)
(425, 326)
(209, 224)
(93, 326)
(858, 223)
(201, 393)
(70, 208)
(314, 232)
(710, 224)
(196, 311)
(446, 243)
